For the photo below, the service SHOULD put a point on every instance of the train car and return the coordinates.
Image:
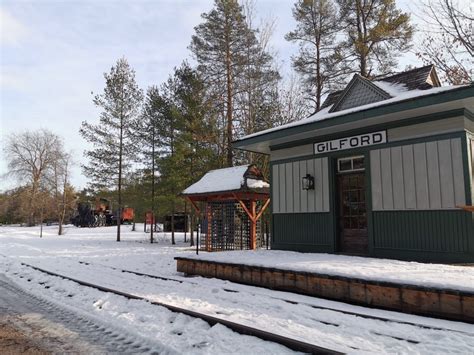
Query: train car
(84, 216)
(128, 215)
(100, 214)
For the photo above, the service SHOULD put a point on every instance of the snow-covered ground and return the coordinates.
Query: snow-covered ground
(413, 273)
(92, 254)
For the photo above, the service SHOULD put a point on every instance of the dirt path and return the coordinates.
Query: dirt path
(15, 341)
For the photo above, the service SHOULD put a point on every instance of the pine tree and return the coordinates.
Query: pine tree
(219, 47)
(376, 33)
(149, 143)
(319, 61)
(259, 78)
(196, 135)
(113, 137)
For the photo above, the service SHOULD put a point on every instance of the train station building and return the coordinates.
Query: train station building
(383, 169)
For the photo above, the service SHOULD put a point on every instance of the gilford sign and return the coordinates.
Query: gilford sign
(362, 140)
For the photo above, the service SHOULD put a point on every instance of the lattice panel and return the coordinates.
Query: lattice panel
(228, 227)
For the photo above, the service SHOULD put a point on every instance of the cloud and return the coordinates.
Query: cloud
(12, 31)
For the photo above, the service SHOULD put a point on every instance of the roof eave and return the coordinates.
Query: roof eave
(209, 195)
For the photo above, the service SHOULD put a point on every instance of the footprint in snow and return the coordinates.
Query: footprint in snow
(201, 345)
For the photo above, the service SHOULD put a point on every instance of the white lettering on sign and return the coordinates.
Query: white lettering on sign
(362, 140)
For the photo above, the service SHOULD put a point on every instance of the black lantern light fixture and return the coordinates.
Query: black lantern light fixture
(308, 182)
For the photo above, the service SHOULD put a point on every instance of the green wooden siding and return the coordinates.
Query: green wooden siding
(440, 235)
(287, 194)
(423, 176)
(307, 232)
(432, 233)
(471, 165)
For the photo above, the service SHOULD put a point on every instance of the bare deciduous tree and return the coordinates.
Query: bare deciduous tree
(293, 105)
(31, 157)
(448, 39)
(61, 190)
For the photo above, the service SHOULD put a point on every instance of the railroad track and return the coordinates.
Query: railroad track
(105, 338)
(290, 343)
(227, 289)
(326, 319)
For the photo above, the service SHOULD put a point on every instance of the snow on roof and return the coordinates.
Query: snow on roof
(396, 90)
(227, 179)
(393, 89)
(257, 184)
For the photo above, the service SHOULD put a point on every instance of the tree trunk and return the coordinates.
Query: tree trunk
(31, 204)
(319, 84)
(186, 221)
(191, 238)
(229, 115)
(119, 213)
(62, 213)
(152, 183)
(172, 226)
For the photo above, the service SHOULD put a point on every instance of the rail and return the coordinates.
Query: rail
(293, 344)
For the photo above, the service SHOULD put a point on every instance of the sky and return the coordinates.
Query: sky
(53, 55)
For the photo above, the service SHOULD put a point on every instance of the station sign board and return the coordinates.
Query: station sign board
(353, 142)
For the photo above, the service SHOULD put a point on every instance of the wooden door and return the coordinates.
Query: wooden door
(352, 214)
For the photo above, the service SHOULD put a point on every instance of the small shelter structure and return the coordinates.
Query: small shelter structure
(231, 201)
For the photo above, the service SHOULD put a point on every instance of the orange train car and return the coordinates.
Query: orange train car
(128, 215)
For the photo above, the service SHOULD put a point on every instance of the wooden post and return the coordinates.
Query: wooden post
(254, 217)
(253, 225)
(209, 229)
(185, 220)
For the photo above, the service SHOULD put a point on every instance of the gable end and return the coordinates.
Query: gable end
(358, 92)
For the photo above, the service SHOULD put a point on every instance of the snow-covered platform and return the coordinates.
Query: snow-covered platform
(436, 290)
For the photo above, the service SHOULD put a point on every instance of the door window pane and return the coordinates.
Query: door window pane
(345, 165)
(350, 164)
(358, 163)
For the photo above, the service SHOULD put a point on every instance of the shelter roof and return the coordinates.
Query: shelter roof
(244, 178)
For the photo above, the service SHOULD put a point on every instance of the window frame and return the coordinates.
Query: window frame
(351, 159)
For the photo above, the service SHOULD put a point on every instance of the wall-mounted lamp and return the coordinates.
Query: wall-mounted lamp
(308, 182)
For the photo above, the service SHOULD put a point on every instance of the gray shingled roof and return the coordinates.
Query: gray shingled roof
(331, 99)
(360, 91)
(414, 79)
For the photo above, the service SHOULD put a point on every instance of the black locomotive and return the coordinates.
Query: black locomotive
(88, 216)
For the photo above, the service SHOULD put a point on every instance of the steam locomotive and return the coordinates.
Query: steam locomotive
(88, 215)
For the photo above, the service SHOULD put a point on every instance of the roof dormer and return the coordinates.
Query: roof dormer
(360, 91)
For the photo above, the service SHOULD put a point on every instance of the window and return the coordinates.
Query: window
(345, 165)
